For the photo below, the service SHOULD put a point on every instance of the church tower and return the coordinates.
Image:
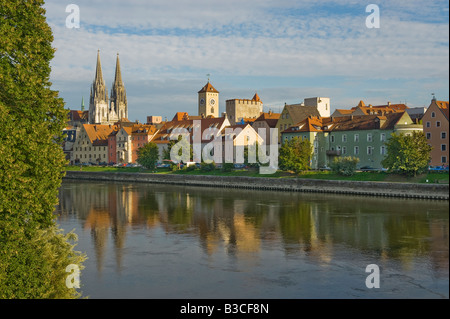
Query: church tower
(208, 101)
(98, 102)
(119, 105)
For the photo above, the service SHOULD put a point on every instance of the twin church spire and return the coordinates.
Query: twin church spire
(101, 109)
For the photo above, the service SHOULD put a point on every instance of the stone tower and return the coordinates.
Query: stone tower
(208, 101)
(98, 102)
(119, 105)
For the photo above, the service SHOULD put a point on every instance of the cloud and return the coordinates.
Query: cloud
(178, 42)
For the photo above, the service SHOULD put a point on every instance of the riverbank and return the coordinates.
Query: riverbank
(366, 188)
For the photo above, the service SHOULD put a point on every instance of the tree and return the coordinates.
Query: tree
(182, 144)
(344, 165)
(148, 155)
(407, 154)
(295, 155)
(32, 161)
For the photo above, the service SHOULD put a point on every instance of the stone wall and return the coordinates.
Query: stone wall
(386, 189)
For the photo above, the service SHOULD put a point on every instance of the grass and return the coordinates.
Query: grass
(441, 178)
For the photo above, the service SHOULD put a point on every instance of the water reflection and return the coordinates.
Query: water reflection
(243, 223)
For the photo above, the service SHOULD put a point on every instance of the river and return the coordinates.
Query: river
(165, 241)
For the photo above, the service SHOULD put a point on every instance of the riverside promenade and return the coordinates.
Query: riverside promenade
(380, 189)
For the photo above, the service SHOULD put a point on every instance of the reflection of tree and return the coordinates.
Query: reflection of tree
(239, 221)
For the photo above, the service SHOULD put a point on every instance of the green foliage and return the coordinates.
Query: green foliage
(191, 168)
(148, 155)
(295, 155)
(227, 167)
(207, 167)
(407, 154)
(32, 162)
(344, 165)
(33, 264)
(183, 144)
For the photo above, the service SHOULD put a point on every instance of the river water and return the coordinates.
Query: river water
(164, 241)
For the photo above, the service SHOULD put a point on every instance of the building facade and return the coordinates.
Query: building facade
(104, 110)
(208, 101)
(91, 144)
(363, 137)
(435, 127)
(238, 110)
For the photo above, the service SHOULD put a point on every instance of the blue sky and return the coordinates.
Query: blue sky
(285, 50)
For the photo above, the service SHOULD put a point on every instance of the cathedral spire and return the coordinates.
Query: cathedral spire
(118, 76)
(98, 70)
(118, 94)
(98, 101)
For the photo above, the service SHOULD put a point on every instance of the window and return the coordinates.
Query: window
(383, 150)
(444, 159)
(282, 116)
(443, 135)
(356, 150)
(344, 138)
(344, 150)
(369, 150)
(428, 124)
(287, 115)
(356, 138)
(369, 137)
(383, 137)
(443, 147)
(428, 136)
(433, 114)
(438, 124)
(332, 138)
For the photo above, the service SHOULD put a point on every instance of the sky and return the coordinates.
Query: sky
(285, 50)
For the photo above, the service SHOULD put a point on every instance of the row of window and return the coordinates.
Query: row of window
(356, 138)
(370, 150)
(428, 124)
(443, 135)
(90, 156)
(89, 148)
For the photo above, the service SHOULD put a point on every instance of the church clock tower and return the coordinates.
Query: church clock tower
(208, 101)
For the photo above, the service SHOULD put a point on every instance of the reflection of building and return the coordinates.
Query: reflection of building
(243, 224)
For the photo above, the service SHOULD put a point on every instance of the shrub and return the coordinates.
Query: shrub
(344, 165)
(227, 167)
(207, 167)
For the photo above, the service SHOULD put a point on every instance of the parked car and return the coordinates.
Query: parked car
(162, 165)
(438, 168)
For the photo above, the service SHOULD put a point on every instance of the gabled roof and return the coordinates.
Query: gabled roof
(163, 135)
(208, 88)
(347, 123)
(78, 115)
(299, 112)
(98, 133)
(443, 106)
(256, 98)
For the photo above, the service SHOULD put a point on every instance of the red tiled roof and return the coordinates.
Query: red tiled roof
(208, 88)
